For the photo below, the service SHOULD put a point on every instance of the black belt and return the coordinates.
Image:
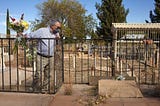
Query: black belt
(44, 55)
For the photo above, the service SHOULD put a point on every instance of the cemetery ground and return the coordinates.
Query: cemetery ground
(82, 95)
(71, 94)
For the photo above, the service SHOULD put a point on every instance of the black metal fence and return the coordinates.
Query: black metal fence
(79, 61)
(134, 58)
(87, 61)
(23, 70)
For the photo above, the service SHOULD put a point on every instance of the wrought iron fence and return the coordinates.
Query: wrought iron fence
(137, 53)
(86, 60)
(79, 61)
(19, 67)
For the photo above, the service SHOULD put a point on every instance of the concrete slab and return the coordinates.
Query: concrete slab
(80, 92)
(116, 88)
(24, 99)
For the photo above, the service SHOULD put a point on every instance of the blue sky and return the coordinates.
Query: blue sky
(139, 9)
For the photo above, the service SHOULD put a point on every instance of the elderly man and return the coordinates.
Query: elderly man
(44, 76)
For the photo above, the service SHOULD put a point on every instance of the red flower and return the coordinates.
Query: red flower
(13, 19)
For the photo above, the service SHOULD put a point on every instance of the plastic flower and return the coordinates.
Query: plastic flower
(120, 77)
(24, 24)
(18, 26)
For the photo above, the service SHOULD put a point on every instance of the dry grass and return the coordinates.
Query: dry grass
(90, 97)
(68, 89)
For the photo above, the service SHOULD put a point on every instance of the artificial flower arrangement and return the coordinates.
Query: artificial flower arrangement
(19, 26)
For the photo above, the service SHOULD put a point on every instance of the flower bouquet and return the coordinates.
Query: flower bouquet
(19, 26)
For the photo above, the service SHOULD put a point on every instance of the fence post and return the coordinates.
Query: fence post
(62, 47)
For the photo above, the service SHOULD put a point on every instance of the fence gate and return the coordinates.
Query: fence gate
(18, 69)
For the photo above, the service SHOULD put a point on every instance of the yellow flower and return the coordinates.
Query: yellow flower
(24, 24)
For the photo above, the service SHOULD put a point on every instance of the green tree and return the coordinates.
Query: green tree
(109, 11)
(154, 18)
(155, 15)
(7, 24)
(70, 12)
(90, 25)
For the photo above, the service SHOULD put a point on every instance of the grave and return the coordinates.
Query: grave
(118, 88)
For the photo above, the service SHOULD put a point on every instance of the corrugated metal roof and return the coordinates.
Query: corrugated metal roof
(136, 25)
